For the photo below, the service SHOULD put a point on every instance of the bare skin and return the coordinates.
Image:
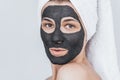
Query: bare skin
(79, 68)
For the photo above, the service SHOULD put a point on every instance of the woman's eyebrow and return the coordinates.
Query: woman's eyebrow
(70, 20)
(47, 19)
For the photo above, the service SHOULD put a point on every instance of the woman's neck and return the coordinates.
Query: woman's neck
(55, 69)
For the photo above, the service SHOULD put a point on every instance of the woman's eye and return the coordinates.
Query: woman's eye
(69, 26)
(48, 25)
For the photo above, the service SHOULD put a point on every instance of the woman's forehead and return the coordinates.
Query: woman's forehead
(59, 11)
(55, 3)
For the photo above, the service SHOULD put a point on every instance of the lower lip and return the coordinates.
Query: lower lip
(58, 52)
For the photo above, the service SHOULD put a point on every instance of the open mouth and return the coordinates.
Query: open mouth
(58, 51)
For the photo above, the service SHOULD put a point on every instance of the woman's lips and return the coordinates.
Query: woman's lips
(58, 51)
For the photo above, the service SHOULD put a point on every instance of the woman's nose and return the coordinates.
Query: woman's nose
(57, 38)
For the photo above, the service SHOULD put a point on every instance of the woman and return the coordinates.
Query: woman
(67, 30)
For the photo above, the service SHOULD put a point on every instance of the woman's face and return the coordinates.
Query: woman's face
(62, 32)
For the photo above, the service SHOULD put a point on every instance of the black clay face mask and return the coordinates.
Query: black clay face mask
(73, 42)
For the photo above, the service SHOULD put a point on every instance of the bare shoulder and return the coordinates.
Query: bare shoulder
(74, 71)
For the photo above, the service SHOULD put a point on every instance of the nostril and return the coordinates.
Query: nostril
(58, 42)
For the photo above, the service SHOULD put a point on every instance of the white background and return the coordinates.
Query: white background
(22, 55)
(116, 20)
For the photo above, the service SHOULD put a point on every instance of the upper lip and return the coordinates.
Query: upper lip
(58, 49)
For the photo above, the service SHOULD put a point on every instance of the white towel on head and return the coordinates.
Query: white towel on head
(101, 51)
(101, 48)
